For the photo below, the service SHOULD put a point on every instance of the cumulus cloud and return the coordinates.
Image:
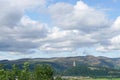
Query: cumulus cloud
(18, 31)
(12, 10)
(76, 26)
(66, 40)
(113, 38)
(21, 37)
(115, 43)
(116, 25)
(79, 16)
(93, 26)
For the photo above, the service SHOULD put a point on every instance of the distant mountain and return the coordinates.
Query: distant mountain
(85, 65)
(65, 62)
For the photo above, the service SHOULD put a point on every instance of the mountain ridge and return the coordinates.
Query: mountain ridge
(68, 61)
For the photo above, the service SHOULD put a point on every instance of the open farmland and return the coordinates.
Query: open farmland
(86, 78)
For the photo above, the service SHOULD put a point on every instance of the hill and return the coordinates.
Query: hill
(64, 62)
(85, 65)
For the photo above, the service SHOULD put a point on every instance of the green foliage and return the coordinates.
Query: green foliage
(91, 71)
(46, 72)
(41, 72)
(25, 72)
(13, 73)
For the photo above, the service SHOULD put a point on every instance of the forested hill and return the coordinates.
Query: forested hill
(85, 65)
(65, 62)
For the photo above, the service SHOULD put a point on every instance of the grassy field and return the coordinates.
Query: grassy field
(97, 79)
(83, 78)
(104, 79)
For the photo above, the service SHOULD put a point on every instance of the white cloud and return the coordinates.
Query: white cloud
(21, 37)
(17, 31)
(101, 49)
(13, 10)
(113, 37)
(109, 37)
(115, 40)
(115, 43)
(77, 26)
(66, 40)
(116, 24)
(79, 16)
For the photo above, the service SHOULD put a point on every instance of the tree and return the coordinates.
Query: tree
(14, 73)
(2, 72)
(43, 72)
(25, 73)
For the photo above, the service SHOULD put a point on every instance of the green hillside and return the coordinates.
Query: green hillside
(85, 65)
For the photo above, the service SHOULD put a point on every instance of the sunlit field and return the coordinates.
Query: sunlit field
(102, 79)
(94, 79)
(88, 78)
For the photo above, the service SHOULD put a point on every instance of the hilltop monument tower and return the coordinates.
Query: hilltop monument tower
(74, 60)
(74, 63)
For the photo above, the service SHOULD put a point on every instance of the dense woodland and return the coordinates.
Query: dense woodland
(92, 71)
(40, 72)
(46, 72)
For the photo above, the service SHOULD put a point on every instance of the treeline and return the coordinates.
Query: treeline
(40, 72)
(46, 72)
(91, 71)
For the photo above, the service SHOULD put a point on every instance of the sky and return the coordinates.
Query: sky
(59, 28)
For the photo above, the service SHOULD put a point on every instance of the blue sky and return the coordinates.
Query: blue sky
(59, 28)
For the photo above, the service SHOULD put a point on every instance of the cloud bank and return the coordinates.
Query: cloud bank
(73, 27)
